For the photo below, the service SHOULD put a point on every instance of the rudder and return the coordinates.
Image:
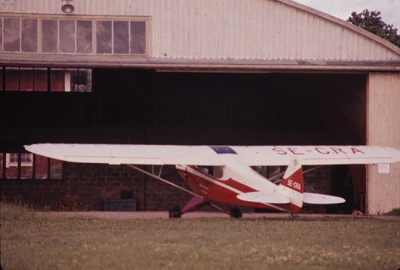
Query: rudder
(292, 185)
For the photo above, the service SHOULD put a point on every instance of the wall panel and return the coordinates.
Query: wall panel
(274, 30)
(383, 128)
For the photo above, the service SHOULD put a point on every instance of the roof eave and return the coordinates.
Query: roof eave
(228, 65)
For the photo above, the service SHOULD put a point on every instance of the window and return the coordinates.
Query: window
(67, 36)
(49, 36)
(1, 35)
(11, 79)
(18, 165)
(29, 166)
(84, 40)
(1, 77)
(12, 34)
(2, 165)
(52, 35)
(29, 42)
(138, 37)
(24, 159)
(121, 37)
(42, 167)
(103, 37)
(46, 79)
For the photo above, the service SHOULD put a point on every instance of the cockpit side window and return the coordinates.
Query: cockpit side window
(215, 171)
(218, 172)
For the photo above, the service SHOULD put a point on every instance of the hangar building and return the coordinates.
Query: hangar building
(221, 72)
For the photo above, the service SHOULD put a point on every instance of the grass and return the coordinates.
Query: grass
(32, 240)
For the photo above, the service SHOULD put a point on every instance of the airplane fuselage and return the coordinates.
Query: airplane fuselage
(231, 183)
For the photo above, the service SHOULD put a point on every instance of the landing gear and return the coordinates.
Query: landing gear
(235, 212)
(197, 203)
(175, 212)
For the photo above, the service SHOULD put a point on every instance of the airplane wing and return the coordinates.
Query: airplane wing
(117, 154)
(213, 155)
(316, 155)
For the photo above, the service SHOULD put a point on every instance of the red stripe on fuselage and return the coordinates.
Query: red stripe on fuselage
(224, 191)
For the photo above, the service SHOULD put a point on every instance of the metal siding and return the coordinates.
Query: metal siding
(383, 128)
(232, 29)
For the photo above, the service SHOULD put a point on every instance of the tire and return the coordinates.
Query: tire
(175, 212)
(236, 212)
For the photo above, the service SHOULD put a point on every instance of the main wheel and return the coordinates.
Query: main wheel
(175, 212)
(236, 212)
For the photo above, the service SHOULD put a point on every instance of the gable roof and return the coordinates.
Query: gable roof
(221, 34)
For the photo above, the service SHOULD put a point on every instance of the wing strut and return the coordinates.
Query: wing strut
(163, 180)
(280, 174)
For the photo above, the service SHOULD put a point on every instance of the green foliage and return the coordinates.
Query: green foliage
(372, 22)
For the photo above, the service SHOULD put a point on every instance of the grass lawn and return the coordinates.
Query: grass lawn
(32, 240)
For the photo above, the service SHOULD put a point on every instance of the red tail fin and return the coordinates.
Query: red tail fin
(293, 177)
(292, 185)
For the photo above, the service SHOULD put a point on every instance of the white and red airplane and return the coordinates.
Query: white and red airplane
(224, 174)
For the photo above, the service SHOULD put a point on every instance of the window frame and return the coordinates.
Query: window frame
(20, 161)
(54, 169)
(71, 79)
(78, 21)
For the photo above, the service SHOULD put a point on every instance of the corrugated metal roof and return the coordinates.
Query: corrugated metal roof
(223, 31)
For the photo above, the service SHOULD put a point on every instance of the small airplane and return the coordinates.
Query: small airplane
(223, 173)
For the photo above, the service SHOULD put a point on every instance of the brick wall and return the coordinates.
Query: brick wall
(40, 194)
(89, 185)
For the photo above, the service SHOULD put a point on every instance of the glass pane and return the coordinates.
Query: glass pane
(68, 79)
(12, 79)
(12, 166)
(11, 34)
(1, 166)
(26, 166)
(121, 37)
(41, 167)
(26, 159)
(84, 37)
(29, 35)
(55, 169)
(80, 80)
(40, 79)
(49, 35)
(1, 78)
(103, 37)
(138, 37)
(67, 36)
(26, 79)
(13, 159)
(57, 80)
(1, 34)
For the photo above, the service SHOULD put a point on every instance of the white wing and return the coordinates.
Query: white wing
(128, 154)
(316, 155)
(210, 155)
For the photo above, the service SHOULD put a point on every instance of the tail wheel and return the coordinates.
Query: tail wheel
(175, 212)
(235, 212)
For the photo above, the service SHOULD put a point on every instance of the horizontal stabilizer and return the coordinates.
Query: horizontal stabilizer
(261, 197)
(314, 198)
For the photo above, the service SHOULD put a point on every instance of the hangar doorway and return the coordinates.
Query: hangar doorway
(243, 109)
(145, 106)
